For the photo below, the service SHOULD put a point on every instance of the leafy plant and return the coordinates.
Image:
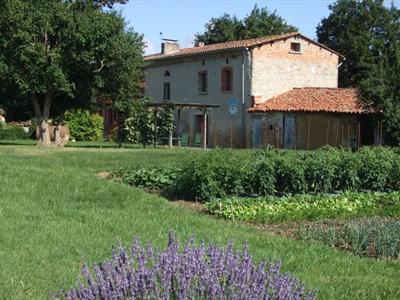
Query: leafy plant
(13, 133)
(306, 207)
(155, 179)
(195, 272)
(83, 125)
(364, 237)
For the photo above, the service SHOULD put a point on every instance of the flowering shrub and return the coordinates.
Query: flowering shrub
(306, 207)
(194, 272)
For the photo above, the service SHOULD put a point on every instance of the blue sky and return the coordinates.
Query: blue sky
(181, 19)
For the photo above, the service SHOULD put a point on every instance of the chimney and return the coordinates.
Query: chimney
(169, 46)
(256, 100)
(200, 44)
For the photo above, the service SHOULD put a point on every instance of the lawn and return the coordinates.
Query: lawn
(54, 211)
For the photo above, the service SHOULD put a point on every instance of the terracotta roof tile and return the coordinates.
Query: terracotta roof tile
(227, 46)
(333, 100)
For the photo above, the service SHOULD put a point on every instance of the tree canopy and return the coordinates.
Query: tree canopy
(260, 22)
(367, 33)
(67, 54)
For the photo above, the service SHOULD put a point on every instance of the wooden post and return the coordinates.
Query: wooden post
(278, 136)
(190, 131)
(308, 133)
(348, 135)
(178, 131)
(204, 129)
(341, 137)
(155, 128)
(170, 139)
(265, 134)
(231, 133)
(215, 136)
(381, 138)
(327, 133)
(337, 135)
(359, 135)
(248, 137)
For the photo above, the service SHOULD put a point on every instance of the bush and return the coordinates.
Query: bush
(195, 272)
(375, 168)
(154, 179)
(306, 207)
(211, 175)
(83, 125)
(13, 133)
(319, 169)
(290, 177)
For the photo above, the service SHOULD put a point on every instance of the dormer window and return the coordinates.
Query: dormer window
(295, 47)
(167, 74)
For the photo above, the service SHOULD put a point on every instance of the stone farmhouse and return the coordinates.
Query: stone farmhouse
(276, 90)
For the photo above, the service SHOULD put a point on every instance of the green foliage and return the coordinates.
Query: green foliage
(260, 22)
(319, 170)
(81, 215)
(13, 133)
(83, 125)
(375, 168)
(208, 175)
(61, 55)
(306, 207)
(222, 173)
(145, 125)
(365, 237)
(154, 179)
(367, 33)
(290, 177)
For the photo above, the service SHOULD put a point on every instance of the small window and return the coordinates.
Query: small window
(167, 91)
(203, 82)
(295, 47)
(167, 74)
(226, 79)
(203, 62)
(227, 61)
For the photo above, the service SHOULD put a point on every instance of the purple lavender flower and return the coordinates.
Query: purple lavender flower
(193, 272)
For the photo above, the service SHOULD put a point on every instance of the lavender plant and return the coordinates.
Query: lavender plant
(194, 272)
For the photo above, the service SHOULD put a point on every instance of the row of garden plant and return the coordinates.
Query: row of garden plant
(364, 237)
(189, 272)
(221, 174)
(272, 209)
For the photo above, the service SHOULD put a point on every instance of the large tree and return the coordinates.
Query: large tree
(367, 33)
(260, 22)
(64, 54)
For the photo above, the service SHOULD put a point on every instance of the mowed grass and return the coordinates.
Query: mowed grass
(54, 211)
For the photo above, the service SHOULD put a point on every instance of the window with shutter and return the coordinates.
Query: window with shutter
(203, 84)
(226, 79)
(167, 91)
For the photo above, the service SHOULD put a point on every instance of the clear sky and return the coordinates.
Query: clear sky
(181, 19)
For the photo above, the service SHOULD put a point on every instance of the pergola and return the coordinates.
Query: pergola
(204, 108)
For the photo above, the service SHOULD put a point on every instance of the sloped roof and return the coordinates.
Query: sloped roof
(330, 100)
(240, 44)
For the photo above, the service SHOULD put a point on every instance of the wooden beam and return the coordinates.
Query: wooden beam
(204, 129)
(327, 133)
(308, 133)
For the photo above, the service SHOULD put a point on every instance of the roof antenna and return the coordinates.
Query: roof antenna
(161, 36)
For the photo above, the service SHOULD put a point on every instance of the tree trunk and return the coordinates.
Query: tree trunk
(43, 130)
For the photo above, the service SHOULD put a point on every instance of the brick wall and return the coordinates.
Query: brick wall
(276, 69)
